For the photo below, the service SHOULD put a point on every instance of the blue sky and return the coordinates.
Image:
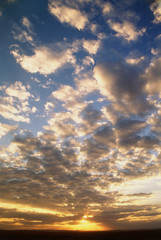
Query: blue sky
(80, 110)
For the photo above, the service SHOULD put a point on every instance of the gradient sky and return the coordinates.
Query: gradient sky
(80, 114)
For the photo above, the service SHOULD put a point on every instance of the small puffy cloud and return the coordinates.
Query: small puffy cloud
(107, 8)
(94, 27)
(66, 92)
(91, 46)
(18, 90)
(44, 60)
(14, 105)
(156, 9)
(34, 109)
(72, 100)
(134, 61)
(154, 51)
(6, 128)
(1, 13)
(49, 106)
(69, 15)
(126, 30)
(86, 85)
(88, 61)
(26, 23)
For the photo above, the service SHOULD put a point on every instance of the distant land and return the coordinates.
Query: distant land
(80, 235)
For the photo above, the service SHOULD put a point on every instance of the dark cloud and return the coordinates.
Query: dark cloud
(91, 115)
(118, 82)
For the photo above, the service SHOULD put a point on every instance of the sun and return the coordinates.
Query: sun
(83, 225)
(86, 225)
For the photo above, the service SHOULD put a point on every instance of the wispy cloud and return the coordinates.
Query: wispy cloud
(126, 30)
(6, 128)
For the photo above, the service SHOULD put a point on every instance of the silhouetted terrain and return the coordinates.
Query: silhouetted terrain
(76, 235)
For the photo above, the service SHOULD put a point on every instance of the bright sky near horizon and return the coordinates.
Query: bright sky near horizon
(80, 114)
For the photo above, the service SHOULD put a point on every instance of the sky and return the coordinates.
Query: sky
(80, 114)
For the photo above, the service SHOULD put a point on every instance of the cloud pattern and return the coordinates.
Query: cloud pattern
(99, 133)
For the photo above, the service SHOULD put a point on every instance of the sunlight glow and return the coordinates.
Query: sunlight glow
(82, 225)
(28, 208)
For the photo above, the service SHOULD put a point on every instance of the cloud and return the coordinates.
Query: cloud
(6, 128)
(27, 23)
(156, 9)
(116, 81)
(153, 76)
(22, 36)
(86, 85)
(66, 92)
(49, 106)
(24, 32)
(19, 91)
(14, 105)
(68, 15)
(1, 13)
(100, 131)
(48, 168)
(72, 99)
(91, 46)
(126, 30)
(134, 61)
(88, 61)
(107, 8)
(44, 60)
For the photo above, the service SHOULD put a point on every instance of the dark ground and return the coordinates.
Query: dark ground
(76, 235)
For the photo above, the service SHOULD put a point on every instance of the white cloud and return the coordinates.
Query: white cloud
(107, 8)
(23, 36)
(34, 109)
(14, 105)
(134, 61)
(154, 51)
(91, 46)
(49, 106)
(66, 92)
(86, 85)
(18, 90)
(68, 15)
(27, 23)
(24, 32)
(44, 60)
(126, 30)
(72, 100)
(156, 9)
(6, 128)
(88, 61)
